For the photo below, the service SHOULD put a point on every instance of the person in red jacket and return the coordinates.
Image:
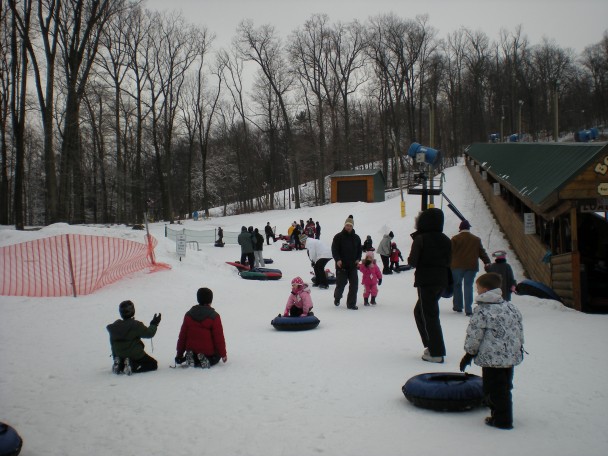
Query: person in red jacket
(201, 337)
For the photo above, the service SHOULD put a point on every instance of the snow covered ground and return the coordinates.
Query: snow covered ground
(335, 390)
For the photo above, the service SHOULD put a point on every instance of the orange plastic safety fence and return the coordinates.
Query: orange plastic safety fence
(72, 264)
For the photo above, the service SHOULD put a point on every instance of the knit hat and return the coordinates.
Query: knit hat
(464, 225)
(126, 310)
(500, 254)
(391, 234)
(297, 281)
(204, 296)
(349, 221)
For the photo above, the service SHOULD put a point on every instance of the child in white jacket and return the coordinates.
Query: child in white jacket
(495, 339)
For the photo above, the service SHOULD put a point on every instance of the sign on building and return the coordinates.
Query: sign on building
(529, 223)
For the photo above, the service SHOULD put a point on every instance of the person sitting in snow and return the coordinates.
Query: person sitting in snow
(201, 340)
(367, 244)
(125, 341)
(371, 277)
(495, 340)
(299, 303)
(395, 256)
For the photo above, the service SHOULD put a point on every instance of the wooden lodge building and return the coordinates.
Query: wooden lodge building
(551, 200)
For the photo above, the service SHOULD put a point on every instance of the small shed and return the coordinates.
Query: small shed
(357, 185)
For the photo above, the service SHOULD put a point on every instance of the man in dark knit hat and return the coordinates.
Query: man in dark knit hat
(346, 250)
(466, 253)
(201, 336)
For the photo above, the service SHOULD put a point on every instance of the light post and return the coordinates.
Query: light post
(521, 103)
(556, 113)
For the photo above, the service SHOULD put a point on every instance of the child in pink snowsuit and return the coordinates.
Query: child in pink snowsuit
(371, 278)
(299, 303)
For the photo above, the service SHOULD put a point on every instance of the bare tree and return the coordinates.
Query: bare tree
(5, 90)
(263, 47)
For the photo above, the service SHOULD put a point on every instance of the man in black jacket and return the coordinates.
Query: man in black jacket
(346, 250)
(269, 233)
(431, 255)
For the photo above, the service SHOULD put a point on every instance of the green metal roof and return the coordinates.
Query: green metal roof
(357, 172)
(535, 170)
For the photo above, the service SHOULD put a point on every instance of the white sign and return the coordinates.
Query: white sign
(180, 244)
(600, 205)
(529, 223)
(496, 189)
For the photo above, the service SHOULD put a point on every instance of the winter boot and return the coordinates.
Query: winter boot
(205, 364)
(127, 370)
(366, 302)
(116, 366)
(189, 359)
(373, 300)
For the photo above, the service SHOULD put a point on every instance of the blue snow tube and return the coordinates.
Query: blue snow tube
(444, 391)
(295, 323)
(537, 289)
(10, 442)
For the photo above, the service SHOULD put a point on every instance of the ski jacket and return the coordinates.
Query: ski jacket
(503, 269)
(495, 335)
(317, 230)
(202, 332)
(317, 250)
(268, 230)
(367, 245)
(384, 248)
(301, 299)
(310, 230)
(467, 251)
(126, 335)
(259, 242)
(395, 255)
(431, 251)
(245, 240)
(370, 275)
(346, 247)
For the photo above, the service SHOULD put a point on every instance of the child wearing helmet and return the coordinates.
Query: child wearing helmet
(299, 303)
(126, 344)
(395, 256)
(371, 277)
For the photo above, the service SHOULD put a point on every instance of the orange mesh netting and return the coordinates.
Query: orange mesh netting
(72, 264)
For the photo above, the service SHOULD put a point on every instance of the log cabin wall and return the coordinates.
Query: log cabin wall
(565, 278)
(529, 248)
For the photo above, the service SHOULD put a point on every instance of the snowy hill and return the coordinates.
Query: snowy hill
(335, 390)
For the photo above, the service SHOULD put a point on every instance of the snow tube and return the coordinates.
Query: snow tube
(10, 441)
(404, 267)
(540, 290)
(331, 278)
(268, 261)
(287, 247)
(444, 391)
(261, 274)
(238, 265)
(295, 323)
(219, 244)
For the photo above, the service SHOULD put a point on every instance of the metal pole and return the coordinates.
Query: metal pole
(431, 144)
(555, 108)
(521, 103)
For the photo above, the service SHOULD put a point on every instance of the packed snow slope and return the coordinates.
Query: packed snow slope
(335, 390)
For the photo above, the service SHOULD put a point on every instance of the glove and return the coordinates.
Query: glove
(286, 314)
(465, 361)
(179, 359)
(379, 282)
(156, 320)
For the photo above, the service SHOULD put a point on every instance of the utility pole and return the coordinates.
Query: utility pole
(431, 145)
(521, 103)
(555, 108)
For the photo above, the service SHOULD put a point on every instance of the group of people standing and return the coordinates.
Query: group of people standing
(252, 246)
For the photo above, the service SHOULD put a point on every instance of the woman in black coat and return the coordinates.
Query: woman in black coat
(431, 254)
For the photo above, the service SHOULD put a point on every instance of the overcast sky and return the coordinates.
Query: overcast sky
(573, 24)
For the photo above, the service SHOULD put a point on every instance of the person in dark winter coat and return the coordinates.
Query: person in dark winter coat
(503, 269)
(430, 254)
(245, 240)
(495, 340)
(125, 341)
(201, 340)
(346, 251)
(318, 231)
(269, 233)
(296, 237)
(258, 247)
(395, 257)
(368, 244)
(384, 250)
(467, 250)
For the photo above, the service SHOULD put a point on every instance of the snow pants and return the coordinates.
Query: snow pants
(426, 314)
(497, 386)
